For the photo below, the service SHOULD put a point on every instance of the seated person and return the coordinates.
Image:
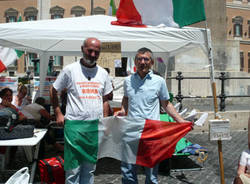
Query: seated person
(36, 111)
(6, 95)
(21, 98)
(243, 171)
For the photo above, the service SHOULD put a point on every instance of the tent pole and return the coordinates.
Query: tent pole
(44, 61)
(213, 85)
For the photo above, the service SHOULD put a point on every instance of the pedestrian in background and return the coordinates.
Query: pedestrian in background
(143, 93)
(88, 86)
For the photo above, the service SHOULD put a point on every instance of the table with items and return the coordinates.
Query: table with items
(31, 147)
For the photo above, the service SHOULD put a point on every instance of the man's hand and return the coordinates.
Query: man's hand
(55, 104)
(120, 113)
(60, 119)
(8, 104)
(124, 108)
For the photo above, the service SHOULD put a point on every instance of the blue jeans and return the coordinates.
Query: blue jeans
(84, 174)
(129, 174)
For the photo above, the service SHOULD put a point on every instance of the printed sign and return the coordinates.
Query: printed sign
(219, 130)
(110, 52)
(10, 82)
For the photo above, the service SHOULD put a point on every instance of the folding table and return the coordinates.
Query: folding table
(28, 144)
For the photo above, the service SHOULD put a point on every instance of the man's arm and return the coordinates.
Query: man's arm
(55, 104)
(241, 170)
(124, 107)
(44, 113)
(169, 108)
(106, 105)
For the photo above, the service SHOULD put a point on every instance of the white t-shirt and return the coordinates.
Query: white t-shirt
(85, 89)
(245, 159)
(32, 111)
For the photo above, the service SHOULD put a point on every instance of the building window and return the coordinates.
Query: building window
(31, 57)
(238, 30)
(11, 15)
(241, 61)
(248, 62)
(56, 12)
(30, 13)
(237, 24)
(77, 11)
(99, 11)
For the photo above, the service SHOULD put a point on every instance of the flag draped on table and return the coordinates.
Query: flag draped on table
(136, 141)
(9, 55)
(172, 13)
(112, 8)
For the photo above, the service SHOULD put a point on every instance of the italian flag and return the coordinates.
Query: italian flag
(135, 141)
(8, 56)
(172, 13)
(112, 8)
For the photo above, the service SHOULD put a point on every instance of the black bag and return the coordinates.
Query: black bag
(8, 118)
(18, 132)
(9, 128)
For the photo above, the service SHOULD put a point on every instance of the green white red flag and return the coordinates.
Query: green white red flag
(136, 141)
(8, 55)
(171, 13)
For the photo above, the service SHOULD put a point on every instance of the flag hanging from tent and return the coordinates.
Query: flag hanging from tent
(171, 13)
(136, 141)
(112, 8)
(8, 55)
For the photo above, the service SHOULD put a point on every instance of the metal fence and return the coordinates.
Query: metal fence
(222, 96)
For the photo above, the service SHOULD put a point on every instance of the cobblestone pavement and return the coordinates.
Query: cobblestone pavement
(108, 170)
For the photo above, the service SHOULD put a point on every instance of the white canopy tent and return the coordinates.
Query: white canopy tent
(63, 37)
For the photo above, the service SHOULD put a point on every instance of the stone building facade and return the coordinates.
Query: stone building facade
(238, 28)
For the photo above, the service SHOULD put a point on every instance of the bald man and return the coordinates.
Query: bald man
(88, 87)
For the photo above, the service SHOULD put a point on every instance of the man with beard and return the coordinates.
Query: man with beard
(88, 87)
